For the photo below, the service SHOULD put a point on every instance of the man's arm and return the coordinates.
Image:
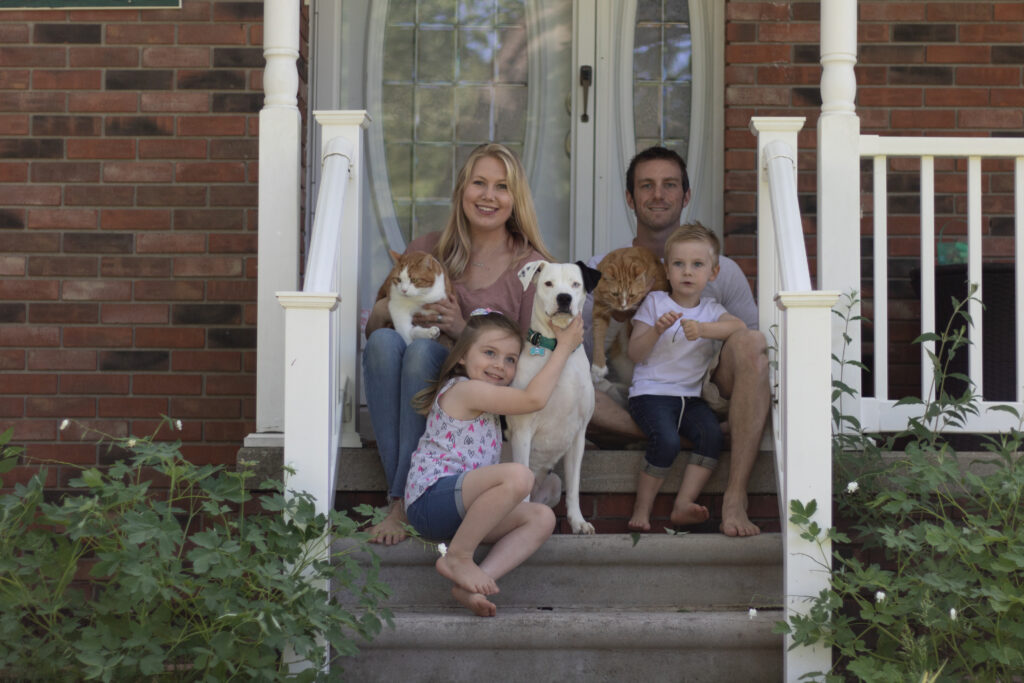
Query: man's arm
(732, 290)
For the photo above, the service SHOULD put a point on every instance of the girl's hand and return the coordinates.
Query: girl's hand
(445, 315)
(571, 336)
(666, 321)
(691, 328)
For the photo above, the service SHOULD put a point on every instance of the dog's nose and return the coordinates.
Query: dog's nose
(564, 301)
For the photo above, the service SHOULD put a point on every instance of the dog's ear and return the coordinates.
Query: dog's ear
(527, 272)
(591, 276)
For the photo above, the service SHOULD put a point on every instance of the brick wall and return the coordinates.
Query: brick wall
(128, 194)
(924, 68)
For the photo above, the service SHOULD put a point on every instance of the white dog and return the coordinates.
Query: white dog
(539, 440)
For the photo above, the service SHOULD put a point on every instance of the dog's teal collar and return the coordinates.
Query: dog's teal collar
(537, 339)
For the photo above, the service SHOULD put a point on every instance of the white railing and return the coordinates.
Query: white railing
(801, 327)
(322, 321)
(880, 413)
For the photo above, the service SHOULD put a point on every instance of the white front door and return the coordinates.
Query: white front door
(573, 86)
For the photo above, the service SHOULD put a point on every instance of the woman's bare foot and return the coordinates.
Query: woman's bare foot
(476, 603)
(392, 529)
(689, 513)
(464, 573)
(734, 517)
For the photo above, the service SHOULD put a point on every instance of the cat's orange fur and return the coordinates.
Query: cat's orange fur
(627, 276)
(423, 270)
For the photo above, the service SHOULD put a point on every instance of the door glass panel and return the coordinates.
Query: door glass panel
(454, 76)
(662, 75)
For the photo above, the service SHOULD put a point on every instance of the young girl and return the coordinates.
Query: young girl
(456, 487)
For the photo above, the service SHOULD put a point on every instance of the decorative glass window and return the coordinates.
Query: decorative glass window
(662, 74)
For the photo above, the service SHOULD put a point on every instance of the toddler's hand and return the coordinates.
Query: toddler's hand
(666, 321)
(691, 328)
(571, 336)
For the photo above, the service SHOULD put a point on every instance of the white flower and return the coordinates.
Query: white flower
(64, 424)
(879, 596)
(442, 548)
(751, 613)
(177, 425)
(131, 443)
(852, 487)
(952, 613)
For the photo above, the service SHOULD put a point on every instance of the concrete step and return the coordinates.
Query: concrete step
(659, 571)
(573, 645)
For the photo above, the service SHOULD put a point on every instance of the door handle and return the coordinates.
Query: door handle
(586, 80)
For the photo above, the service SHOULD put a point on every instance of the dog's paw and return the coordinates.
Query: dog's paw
(581, 527)
(598, 373)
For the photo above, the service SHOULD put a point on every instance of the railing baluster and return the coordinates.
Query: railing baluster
(976, 330)
(881, 270)
(927, 271)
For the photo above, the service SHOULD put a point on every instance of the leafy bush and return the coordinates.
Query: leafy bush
(158, 569)
(933, 586)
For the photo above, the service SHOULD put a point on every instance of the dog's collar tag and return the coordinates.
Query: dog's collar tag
(537, 339)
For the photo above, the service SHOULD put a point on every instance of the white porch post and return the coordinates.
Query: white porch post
(805, 391)
(839, 166)
(280, 145)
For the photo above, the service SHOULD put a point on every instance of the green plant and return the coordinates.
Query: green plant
(932, 586)
(158, 569)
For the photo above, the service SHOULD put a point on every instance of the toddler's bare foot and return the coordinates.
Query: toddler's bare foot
(464, 573)
(391, 530)
(640, 521)
(734, 517)
(689, 513)
(478, 604)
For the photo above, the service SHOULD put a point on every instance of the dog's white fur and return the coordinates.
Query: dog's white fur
(539, 440)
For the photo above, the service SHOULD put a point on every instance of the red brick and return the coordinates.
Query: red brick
(43, 79)
(757, 54)
(12, 406)
(210, 454)
(29, 290)
(892, 11)
(18, 383)
(170, 338)
(62, 219)
(171, 195)
(65, 172)
(31, 430)
(954, 97)
(231, 291)
(81, 148)
(83, 454)
(206, 408)
(12, 359)
(98, 195)
(92, 429)
(958, 54)
(172, 149)
(991, 33)
(96, 290)
(19, 79)
(201, 361)
(136, 219)
(16, 172)
(23, 336)
(990, 118)
(1007, 98)
(17, 124)
(13, 33)
(132, 407)
(889, 97)
(212, 34)
(209, 172)
(198, 126)
(988, 75)
(959, 11)
(923, 118)
(60, 406)
(140, 34)
(788, 33)
(137, 172)
(781, 74)
(190, 10)
(24, 474)
(111, 57)
(133, 266)
(233, 432)
(105, 102)
(115, 337)
(756, 11)
(234, 243)
(170, 244)
(63, 313)
(14, 195)
(181, 57)
(208, 219)
(134, 313)
(33, 101)
(230, 385)
(168, 385)
(32, 56)
(1008, 11)
(210, 266)
(61, 359)
(175, 102)
(168, 290)
(12, 265)
(872, 33)
(95, 383)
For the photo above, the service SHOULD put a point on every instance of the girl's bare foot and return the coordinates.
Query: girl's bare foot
(476, 603)
(464, 573)
(689, 513)
(548, 490)
(392, 529)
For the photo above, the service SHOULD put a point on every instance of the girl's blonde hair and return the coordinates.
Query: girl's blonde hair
(476, 325)
(694, 232)
(453, 249)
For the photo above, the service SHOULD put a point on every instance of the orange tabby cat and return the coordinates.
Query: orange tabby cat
(627, 276)
(417, 279)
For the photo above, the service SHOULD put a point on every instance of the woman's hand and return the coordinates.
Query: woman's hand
(445, 315)
(571, 336)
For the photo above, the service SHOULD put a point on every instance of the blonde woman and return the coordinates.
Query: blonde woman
(491, 232)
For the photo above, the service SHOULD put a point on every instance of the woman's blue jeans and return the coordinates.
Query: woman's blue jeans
(393, 373)
(659, 418)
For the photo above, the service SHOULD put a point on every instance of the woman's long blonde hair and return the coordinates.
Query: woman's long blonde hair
(455, 246)
(476, 324)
